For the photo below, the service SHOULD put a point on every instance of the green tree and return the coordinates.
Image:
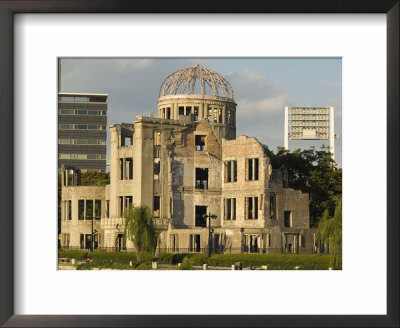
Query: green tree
(313, 172)
(95, 178)
(330, 231)
(139, 229)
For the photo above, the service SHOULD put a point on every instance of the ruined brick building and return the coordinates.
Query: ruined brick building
(183, 164)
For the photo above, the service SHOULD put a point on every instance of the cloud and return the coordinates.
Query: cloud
(247, 77)
(133, 64)
(268, 106)
(329, 83)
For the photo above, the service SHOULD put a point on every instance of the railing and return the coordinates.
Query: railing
(215, 250)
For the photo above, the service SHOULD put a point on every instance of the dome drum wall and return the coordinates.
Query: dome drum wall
(187, 108)
(197, 93)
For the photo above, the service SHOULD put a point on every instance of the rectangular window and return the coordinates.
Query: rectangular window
(121, 206)
(194, 243)
(121, 168)
(231, 171)
(174, 242)
(188, 110)
(69, 214)
(200, 211)
(88, 241)
(156, 168)
(196, 113)
(230, 209)
(157, 151)
(252, 169)
(127, 141)
(200, 142)
(168, 113)
(82, 241)
(128, 168)
(81, 209)
(107, 208)
(181, 110)
(156, 206)
(66, 112)
(97, 209)
(201, 178)
(128, 201)
(288, 219)
(252, 208)
(89, 210)
(272, 206)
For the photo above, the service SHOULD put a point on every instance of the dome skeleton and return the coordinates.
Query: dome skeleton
(184, 82)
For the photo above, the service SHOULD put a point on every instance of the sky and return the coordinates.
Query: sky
(262, 88)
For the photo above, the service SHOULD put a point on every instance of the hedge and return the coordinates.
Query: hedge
(273, 261)
(120, 260)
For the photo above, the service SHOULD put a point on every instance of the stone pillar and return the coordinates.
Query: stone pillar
(175, 111)
(201, 111)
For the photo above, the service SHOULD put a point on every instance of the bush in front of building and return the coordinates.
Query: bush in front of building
(276, 261)
(273, 261)
(100, 258)
(170, 258)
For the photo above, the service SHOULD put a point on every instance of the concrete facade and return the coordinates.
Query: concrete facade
(82, 134)
(186, 163)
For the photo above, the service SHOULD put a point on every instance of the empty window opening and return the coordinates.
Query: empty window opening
(69, 210)
(128, 202)
(231, 171)
(86, 241)
(156, 170)
(174, 242)
(272, 206)
(196, 113)
(230, 209)
(89, 209)
(127, 141)
(194, 243)
(252, 169)
(252, 208)
(157, 151)
(200, 211)
(181, 110)
(188, 110)
(251, 243)
(288, 219)
(81, 209)
(107, 208)
(168, 113)
(200, 142)
(128, 168)
(156, 206)
(121, 205)
(201, 178)
(121, 168)
(97, 209)
(268, 241)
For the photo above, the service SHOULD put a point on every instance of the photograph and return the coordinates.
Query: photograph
(199, 163)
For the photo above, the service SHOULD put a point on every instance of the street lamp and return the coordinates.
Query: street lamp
(93, 232)
(209, 216)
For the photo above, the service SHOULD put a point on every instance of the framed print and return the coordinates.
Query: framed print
(35, 34)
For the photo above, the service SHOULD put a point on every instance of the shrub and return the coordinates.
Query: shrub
(186, 264)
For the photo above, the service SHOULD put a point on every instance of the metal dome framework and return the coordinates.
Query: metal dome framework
(184, 82)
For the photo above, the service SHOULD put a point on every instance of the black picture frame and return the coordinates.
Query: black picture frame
(7, 10)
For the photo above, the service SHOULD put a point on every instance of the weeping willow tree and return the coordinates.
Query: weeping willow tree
(330, 232)
(139, 229)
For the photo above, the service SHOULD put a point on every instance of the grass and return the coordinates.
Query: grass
(120, 260)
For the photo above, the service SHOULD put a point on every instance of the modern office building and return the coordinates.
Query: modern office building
(82, 134)
(185, 164)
